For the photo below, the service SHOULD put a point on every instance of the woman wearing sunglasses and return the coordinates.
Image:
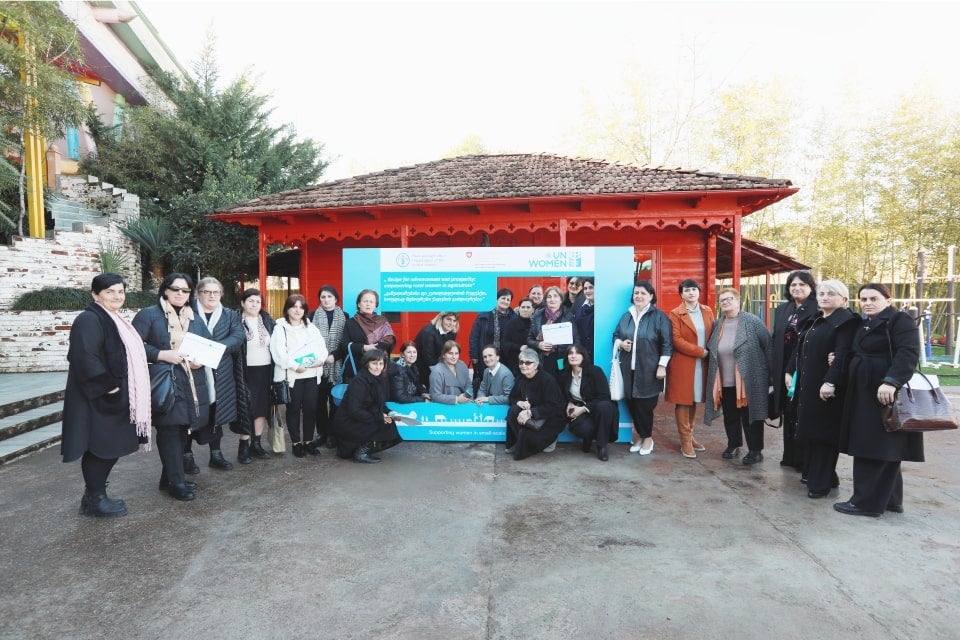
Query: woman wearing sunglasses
(536, 414)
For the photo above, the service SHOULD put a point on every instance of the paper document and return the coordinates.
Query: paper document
(559, 333)
(305, 356)
(407, 420)
(201, 350)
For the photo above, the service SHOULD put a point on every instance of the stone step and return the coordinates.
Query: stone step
(30, 419)
(26, 443)
(13, 407)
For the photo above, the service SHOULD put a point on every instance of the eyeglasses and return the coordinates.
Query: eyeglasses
(211, 293)
(722, 300)
(178, 290)
(527, 363)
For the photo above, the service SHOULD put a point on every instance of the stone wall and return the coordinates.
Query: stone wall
(36, 341)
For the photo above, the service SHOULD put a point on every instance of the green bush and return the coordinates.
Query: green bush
(69, 299)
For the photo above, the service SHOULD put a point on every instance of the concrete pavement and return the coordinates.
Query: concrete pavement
(450, 541)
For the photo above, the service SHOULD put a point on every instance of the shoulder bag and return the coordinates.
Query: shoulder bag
(919, 405)
(340, 390)
(280, 389)
(616, 377)
(163, 393)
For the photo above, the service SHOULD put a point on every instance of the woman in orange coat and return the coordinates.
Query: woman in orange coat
(692, 323)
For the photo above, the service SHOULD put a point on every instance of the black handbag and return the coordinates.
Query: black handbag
(279, 392)
(163, 393)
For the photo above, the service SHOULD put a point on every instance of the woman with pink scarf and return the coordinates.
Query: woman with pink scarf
(106, 410)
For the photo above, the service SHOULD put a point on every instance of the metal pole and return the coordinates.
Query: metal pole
(951, 253)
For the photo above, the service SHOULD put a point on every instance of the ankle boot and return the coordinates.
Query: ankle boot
(99, 506)
(257, 449)
(165, 484)
(362, 454)
(189, 464)
(243, 452)
(217, 461)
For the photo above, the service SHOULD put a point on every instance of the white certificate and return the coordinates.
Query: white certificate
(201, 350)
(559, 333)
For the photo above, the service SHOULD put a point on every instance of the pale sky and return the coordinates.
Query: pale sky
(386, 84)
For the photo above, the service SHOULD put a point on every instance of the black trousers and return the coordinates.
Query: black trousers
(602, 424)
(170, 443)
(304, 394)
(737, 419)
(325, 409)
(95, 472)
(877, 484)
(641, 412)
(794, 451)
(821, 466)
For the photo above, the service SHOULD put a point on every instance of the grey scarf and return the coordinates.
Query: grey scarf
(331, 333)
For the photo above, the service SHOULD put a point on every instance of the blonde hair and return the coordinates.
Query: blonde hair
(837, 287)
(734, 292)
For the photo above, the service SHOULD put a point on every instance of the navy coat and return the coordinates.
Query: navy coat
(151, 324)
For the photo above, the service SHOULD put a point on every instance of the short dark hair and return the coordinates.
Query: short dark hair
(376, 296)
(371, 356)
(167, 282)
(249, 293)
(648, 286)
(522, 300)
(107, 280)
(504, 292)
(576, 347)
(689, 282)
(330, 288)
(292, 300)
(804, 277)
(491, 346)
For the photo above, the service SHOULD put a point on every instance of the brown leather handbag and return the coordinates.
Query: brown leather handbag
(919, 409)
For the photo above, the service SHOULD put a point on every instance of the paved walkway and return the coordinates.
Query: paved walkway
(451, 541)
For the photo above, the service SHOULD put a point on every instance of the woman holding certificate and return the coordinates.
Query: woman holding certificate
(163, 328)
(299, 352)
(552, 331)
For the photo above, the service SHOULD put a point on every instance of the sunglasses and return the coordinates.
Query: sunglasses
(526, 363)
(178, 290)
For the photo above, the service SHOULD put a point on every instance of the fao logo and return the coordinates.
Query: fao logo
(403, 260)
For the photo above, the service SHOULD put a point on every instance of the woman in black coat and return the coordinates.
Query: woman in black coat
(590, 411)
(884, 355)
(106, 407)
(405, 385)
(799, 308)
(514, 336)
(162, 328)
(430, 341)
(645, 335)
(817, 364)
(361, 424)
(536, 414)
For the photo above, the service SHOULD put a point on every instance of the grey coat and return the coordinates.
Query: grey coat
(752, 353)
(445, 386)
(229, 385)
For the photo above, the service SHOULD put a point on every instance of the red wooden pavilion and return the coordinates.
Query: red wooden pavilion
(681, 223)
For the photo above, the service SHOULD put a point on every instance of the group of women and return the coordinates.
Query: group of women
(827, 371)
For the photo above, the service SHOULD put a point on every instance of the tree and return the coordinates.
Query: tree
(214, 148)
(37, 42)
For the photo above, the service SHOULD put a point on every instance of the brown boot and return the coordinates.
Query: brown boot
(685, 429)
(693, 420)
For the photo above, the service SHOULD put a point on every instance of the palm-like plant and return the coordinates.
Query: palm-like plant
(153, 234)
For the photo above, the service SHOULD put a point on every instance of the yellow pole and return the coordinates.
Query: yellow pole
(33, 157)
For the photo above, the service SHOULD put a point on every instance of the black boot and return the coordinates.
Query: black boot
(243, 452)
(189, 464)
(165, 484)
(217, 461)
(99, 506)
(181, 492)
(313, 447)
(257, 449)
(362, 454)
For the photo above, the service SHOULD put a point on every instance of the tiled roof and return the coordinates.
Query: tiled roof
(507, 176)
